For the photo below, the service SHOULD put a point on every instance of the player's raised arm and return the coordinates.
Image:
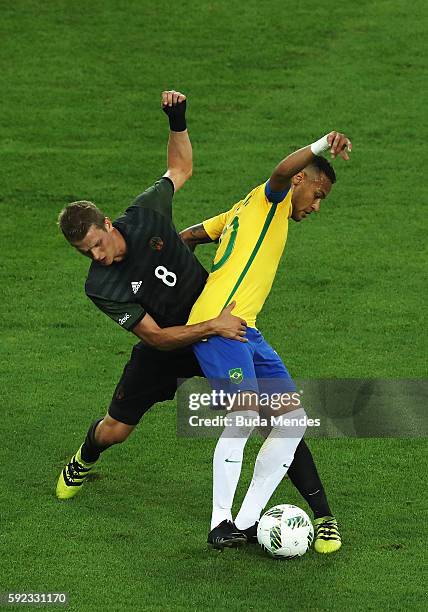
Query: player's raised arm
(281, 179)
(179, 146)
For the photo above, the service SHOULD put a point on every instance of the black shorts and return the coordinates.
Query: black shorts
(150, 376)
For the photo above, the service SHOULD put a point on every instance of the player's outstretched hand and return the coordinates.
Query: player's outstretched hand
(229, 326)
(339, 145)
(174, 105)
(172, 98)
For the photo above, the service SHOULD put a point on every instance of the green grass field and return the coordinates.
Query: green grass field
(81, 85)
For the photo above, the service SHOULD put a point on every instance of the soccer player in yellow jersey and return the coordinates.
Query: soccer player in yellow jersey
(252, 237)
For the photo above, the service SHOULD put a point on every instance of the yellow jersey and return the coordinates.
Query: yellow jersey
(252, 237)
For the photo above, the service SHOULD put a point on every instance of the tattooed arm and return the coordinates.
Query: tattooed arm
(192, 236)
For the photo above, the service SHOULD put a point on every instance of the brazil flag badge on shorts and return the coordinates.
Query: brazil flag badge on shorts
(236, 375)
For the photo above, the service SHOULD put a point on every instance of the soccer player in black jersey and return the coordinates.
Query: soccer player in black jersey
(146, 279)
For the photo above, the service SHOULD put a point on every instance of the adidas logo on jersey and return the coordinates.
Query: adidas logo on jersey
(124, 318)
(136, 285)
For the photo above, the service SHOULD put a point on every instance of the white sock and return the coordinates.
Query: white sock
(272, 463)
(227, 463)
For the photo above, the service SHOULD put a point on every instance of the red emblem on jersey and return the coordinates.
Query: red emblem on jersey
(156, 243)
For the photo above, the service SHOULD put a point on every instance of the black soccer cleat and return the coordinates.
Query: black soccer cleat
(251, 533)
(226, 535)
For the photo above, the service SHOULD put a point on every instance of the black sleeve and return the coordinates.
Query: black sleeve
(158, 197)
(126, 314)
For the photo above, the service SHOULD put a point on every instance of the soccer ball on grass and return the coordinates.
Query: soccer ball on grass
(285, 531)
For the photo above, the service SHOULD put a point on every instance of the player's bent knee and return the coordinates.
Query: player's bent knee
(245, 400)
(289, 424)
(110, 431)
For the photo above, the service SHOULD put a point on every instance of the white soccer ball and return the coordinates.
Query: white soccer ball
(285, 531)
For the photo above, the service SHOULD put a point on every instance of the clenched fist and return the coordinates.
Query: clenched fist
(174, 105)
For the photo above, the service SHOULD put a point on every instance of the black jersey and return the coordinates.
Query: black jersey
(159, 274)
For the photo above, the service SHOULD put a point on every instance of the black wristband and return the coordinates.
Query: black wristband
(177, 124)
(177, 116)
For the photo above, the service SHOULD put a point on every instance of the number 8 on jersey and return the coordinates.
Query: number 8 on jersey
(166, 276)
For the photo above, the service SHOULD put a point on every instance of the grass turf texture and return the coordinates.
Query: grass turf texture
(81, 120)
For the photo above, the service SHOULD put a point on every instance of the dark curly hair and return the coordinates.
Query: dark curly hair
(323, 165)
